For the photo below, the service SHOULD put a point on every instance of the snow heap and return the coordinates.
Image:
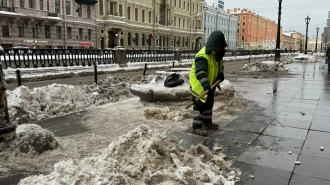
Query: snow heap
(142, 156)
(306, 58)
(264, 66)
(34, 139)
(27, 105)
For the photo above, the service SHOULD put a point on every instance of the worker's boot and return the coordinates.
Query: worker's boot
(200, 132)
(212, 126)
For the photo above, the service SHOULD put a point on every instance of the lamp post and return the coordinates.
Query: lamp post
(278, 51)
(307, 19)
(322, 41)
(228, 30)
(317, 34)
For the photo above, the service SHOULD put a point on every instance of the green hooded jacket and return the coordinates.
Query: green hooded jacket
(206, 68)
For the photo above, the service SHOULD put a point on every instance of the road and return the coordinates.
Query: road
(88, 80)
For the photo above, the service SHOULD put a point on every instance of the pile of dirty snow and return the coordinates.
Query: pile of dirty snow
(264, 66)
(29, 105)
(306, 58)
(142, 156)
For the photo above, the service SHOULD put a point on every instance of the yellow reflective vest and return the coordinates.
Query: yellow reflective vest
(212, 73)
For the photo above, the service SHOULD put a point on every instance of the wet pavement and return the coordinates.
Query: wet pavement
(285, 121)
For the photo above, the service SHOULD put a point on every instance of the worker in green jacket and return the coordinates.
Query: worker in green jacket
(207, 69)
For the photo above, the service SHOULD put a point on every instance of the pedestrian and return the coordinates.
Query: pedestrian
(327, 55)
(206, 69)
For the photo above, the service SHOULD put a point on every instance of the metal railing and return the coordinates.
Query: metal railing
(18, 58)
(149, 55)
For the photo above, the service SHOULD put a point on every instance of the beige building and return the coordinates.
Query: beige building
(289, 42)
(47, 23)
(154, 24)
(300, 40)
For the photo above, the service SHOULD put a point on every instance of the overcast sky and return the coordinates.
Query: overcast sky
(294, 12)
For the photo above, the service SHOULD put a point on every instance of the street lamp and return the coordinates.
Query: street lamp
(307, 19)
(278, 51)
(228, 30)
(322, 41)
(317, 34)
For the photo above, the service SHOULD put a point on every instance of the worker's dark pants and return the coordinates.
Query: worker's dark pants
(205, 111)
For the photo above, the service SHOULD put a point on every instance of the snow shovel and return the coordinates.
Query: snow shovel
(205, 92)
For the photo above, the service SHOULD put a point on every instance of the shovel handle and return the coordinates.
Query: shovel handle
(203, 94)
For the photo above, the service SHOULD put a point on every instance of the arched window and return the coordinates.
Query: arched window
(136, 39)
(129, 37)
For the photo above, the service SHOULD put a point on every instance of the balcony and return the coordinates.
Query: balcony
(87, 2)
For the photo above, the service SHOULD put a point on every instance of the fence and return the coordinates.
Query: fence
(26, 58)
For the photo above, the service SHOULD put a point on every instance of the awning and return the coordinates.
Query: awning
(85, 43)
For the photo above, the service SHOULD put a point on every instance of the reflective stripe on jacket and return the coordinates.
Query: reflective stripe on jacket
(212, 73)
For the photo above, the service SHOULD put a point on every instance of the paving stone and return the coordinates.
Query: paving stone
(297, 100)
(324, 107)
(231, 149)
(186, 140)
(247, 126)
(297, 179)
(65, 125)
(295, 116)
(286, 132)
(320, 123)
(299, 110)
(279, 144)
(262, 175)
(254, 118)
(324, 102)
(313, 166)
(269, 158)
(302, 105)
(234, 136)
(320, 112)
(284, 122)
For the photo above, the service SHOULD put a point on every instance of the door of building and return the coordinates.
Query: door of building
(111, 42)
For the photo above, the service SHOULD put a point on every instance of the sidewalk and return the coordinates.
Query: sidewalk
(279, 129)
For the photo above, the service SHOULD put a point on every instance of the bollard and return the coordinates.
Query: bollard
(173, 64)
(95, 72)
(145, 69)
(19, 79)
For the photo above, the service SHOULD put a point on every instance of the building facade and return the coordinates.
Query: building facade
(326, 32)
(47, 23)
(255, 31)
(218, 19)
(300, 40)
(289, 42)
(150, 24)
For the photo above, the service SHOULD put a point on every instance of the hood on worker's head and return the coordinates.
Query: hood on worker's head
(216, 40)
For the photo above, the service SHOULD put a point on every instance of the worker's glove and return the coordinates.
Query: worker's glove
(220, 77)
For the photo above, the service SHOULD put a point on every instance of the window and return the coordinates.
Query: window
(162, 8)
(244, 17)
(136, 14)
(79, 10)
(237, 30)
(101, 7)
(35, 30)
(243, 31)
(3, 2)
(69, 32)
(129, 13)
(59, 32)
(81, 34)
(242, 38)
(47, 31)
(120, 10)
(57, 6)
(143, 40)
(143, 15)
(179, 3)
(41, 6)
(89, 34)
(21, 3)
(184, 5)
(188, 6)
(243, 23)
(193, 7)
(111, 8)
(20, 29)
(129, 42)
(32, 4)
(89, 14)
(136, 39)
(47, 5)
(5, 29)
(68, 7)
(149, 16)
